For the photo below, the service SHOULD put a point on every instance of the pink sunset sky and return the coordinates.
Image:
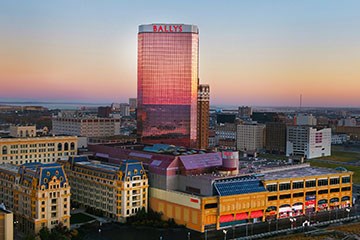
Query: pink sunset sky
(251, 52)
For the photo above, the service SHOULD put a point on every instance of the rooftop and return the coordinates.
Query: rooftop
(305, 171)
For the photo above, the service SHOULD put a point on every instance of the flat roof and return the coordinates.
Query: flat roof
(299, 172)
(168, 28)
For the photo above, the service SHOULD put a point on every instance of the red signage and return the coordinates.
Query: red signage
(167, 28)
(194, 200)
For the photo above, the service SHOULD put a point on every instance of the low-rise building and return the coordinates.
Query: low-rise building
(117, 191)
(86, 126)
(339, 138)
(305, 119)
(38, 195)
(37, 149)
(250, 137)
(275, 137)
(206, 191)
(19, 131)
(225, 135)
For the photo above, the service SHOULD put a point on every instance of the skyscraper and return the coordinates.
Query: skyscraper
(168, 57)
(203, 116)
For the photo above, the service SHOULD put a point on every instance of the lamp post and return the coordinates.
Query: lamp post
(348, 211)
(225, 232)
(188, 235)
(269, 224)
(292, 220)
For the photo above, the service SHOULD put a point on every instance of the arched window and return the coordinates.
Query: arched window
(72, 146)
(66, 147)
(4, 150)
(59, 147)
(27, 133)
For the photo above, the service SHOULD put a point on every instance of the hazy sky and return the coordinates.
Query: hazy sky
(251, 52)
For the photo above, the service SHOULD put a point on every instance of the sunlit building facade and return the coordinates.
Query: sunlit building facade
(168, 83)
(38, 194)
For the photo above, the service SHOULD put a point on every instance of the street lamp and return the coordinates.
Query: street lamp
(348, 211)
(225, 231)
(269, 224)
(188, 235)
(292, 220)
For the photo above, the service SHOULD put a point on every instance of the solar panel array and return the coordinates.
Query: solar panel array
(239, 186)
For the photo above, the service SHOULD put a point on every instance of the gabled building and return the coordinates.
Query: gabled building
(117, 191)
(38, 194)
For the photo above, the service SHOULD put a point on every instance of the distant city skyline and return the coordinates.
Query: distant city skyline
(257, 53)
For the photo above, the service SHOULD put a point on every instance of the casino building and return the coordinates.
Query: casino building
(168, 62)
(207, 191)
(38, 195)
(115, 191)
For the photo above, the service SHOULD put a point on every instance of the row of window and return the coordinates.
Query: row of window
(60, 147)
(312, 193)
(307, 184)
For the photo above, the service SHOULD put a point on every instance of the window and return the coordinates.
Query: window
(345, 179)
(324, 191)
(300, 194)
(334, 181)
(310, 183)
(323, 182)
(59, 147)
(211, 205)
(297, 185)
(66, 147)
(272, 198)
(285, 196)
(312, 193)
(271, 187)
(334, 190)
(344, 189)
(4, 150)
(72, 146)
(284, 186)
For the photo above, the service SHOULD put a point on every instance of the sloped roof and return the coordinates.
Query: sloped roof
(197, 161)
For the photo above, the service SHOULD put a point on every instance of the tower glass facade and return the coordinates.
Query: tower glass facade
(167, 83)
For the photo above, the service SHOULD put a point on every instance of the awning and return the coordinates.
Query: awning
(256, 214)
(285, 209)
(297, 207)
(241, 216)
(226, 218)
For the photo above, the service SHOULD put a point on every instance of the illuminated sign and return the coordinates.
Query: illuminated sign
(167, 28)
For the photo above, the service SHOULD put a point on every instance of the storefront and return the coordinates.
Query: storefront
(297, 209)
(310, 204)
(285, 211)
(256, 216)
(322, 205)
(270, 213)
(334, 203)
(345, 202)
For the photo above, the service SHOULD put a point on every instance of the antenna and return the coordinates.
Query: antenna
(300, 101)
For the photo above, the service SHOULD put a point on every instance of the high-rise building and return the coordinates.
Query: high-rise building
(308, 141)
(168, 83)
(203, 116)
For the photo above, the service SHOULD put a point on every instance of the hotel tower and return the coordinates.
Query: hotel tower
(168, 63)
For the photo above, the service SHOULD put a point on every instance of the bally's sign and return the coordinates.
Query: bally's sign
(168, 28)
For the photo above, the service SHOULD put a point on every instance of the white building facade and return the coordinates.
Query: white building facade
(308, 142)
